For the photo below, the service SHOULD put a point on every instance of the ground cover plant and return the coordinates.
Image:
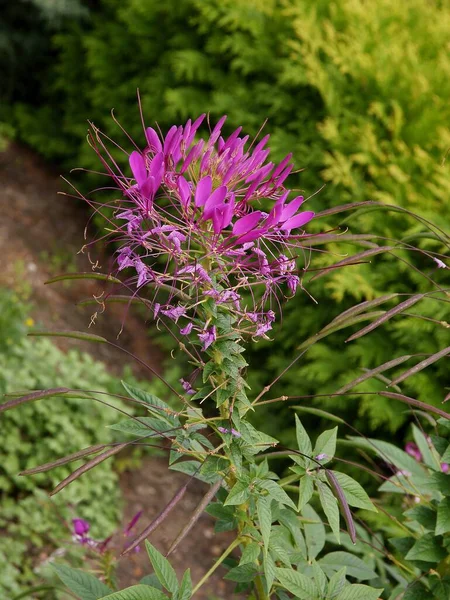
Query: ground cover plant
(211, 242)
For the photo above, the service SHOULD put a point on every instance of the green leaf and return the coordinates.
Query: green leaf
(185, 591)
(428, 549)
(319, 578)
(242, 573)
(357, 591)
(314, 532)
(354, 566)
(76, 335)
(303, 441)
(354, 492)
(163, 569)
(270, 570)
(423, 515)
(336, 583)
(326, 444)
(82, 584)
(144, 426)
(441, 482)
(300, 585)
(277, 493)
(264, 510)
(305, 491)
(330, 508)
(443, 517)
(429, 456)
(250, 553)
(416, 591)
(137, 592)
(154, 405)
(390, 453)
(239, 493)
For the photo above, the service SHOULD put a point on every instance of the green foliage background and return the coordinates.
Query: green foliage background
(30, 522)
(357, 90)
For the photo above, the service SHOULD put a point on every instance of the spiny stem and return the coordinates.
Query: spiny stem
(217, 564)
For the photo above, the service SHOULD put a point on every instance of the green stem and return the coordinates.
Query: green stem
(217, 564)
(259, 585)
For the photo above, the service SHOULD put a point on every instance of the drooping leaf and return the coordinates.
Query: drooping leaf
(83, 584)
(263, 506)
(71, 276)
(330, 507)
(305, 491)
(76, 335)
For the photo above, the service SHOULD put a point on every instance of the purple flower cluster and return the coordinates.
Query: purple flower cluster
(214, 212)
(80, 534)
(413, 450)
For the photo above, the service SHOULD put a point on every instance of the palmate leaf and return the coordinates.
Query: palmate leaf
(84, 585)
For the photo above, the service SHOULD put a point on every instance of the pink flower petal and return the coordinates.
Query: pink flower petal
(245, 224)
(203, 191)
(297, 221)
(153, 139)
(137, 164)
(291, 208)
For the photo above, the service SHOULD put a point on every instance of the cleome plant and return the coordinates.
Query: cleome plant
(210, 242)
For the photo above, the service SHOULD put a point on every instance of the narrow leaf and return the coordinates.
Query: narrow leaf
(76, 335)
(330, 508)
(357, 591)
(319, 413)
(163, 569)
(185, 591)
(386, 316)
(443, 517)
(305, 491)
(264, 510)
(71, 276)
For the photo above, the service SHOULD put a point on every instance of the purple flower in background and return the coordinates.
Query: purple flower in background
(412, 449)
(80, 527)
(187, 387)
(440, 263)
(132, 523)
(445, 468)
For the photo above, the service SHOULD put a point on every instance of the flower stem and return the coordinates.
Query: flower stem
(259, 585)
(217, 564)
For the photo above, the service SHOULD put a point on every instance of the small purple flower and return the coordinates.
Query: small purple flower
(187, 387)
(174, 312)
(232, 431)
(445, 467)
(187, 330)
(412, 449)
(208, 337)
(80, 527)
(440, 263)
(322, 456)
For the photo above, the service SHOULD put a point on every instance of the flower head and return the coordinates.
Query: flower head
(216, 214)
(412, 449)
